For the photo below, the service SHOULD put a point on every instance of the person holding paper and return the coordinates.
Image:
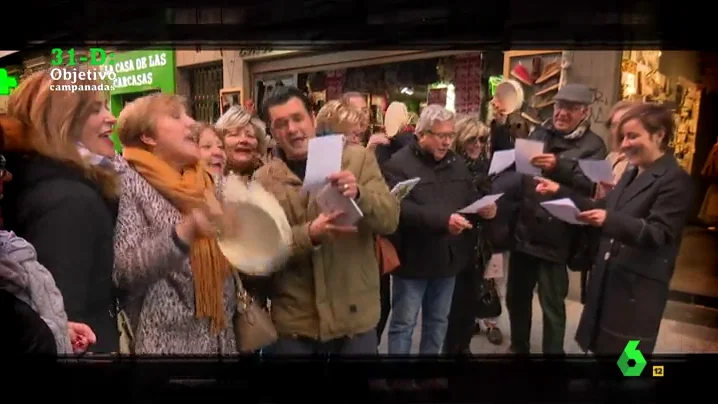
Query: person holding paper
(326, 299)
(339, 116)
(434, 242)
(641, 222)
(568, 138)
(475, 297)
(543, 244)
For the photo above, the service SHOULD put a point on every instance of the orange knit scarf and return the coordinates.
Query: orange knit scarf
(186, 191)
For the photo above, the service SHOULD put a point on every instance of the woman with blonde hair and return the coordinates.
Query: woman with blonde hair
(245, 144)
(615, 156)
(339, 117)
(245, 141)
(474, 296)
(211, 148)
(181, 292)
(63, 198)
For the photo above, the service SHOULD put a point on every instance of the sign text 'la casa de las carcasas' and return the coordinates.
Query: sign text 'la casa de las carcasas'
(137, 72)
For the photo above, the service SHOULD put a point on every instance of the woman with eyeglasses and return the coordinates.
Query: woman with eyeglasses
(474, 296)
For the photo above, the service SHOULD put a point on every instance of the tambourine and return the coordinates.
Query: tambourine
(255, 235)
(395, 118)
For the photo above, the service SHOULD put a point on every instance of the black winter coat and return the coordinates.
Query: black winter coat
(384, 152)
(425, 247)
(65, 217)
(537, 232)
(640, 239)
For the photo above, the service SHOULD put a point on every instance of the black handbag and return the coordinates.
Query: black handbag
(489, 300)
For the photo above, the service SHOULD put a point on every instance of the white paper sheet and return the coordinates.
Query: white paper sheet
(402, 189)
(330, 199)
(483, 202)
(563, 209)
(501, 160)
(525, 151)
(597, 170)
(323, 159)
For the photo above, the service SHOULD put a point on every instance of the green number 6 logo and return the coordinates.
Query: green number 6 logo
(630, 352)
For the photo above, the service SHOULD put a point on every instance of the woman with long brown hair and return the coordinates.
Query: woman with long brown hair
(181, 294)
(63, 198)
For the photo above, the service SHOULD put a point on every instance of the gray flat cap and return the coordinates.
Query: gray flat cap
(579, 93)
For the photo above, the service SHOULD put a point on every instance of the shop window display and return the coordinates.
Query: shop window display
(414, 83)
(642, 81)
(540, 74)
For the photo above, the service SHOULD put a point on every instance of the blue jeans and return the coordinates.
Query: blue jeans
(433, 296)
(360, 344)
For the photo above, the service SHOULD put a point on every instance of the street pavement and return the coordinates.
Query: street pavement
(674, 337)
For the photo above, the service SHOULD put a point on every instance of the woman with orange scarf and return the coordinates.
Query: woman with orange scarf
(181, 294)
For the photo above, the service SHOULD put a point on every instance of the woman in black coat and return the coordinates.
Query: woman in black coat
(640, 221)
(63, 197)
(474, 297)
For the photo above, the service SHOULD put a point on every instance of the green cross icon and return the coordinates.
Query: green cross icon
(6, 82)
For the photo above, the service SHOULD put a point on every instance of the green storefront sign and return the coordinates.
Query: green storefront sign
(138, 73)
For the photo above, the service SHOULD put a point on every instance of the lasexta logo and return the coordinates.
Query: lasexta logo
(631, 353)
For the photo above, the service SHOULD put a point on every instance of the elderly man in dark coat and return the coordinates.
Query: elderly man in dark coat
(542, 244)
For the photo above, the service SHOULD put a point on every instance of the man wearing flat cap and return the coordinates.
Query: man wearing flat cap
(542, 243)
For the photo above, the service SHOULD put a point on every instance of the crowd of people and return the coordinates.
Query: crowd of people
(109, 252)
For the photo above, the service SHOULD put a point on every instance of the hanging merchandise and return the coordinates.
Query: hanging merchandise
(437, 96)
(467, 82)
(335, 84)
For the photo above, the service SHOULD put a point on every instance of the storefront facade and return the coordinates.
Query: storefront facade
(139, 73)
(413, 77)
(200, 76)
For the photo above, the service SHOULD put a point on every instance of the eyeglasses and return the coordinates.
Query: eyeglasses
(443, 136)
